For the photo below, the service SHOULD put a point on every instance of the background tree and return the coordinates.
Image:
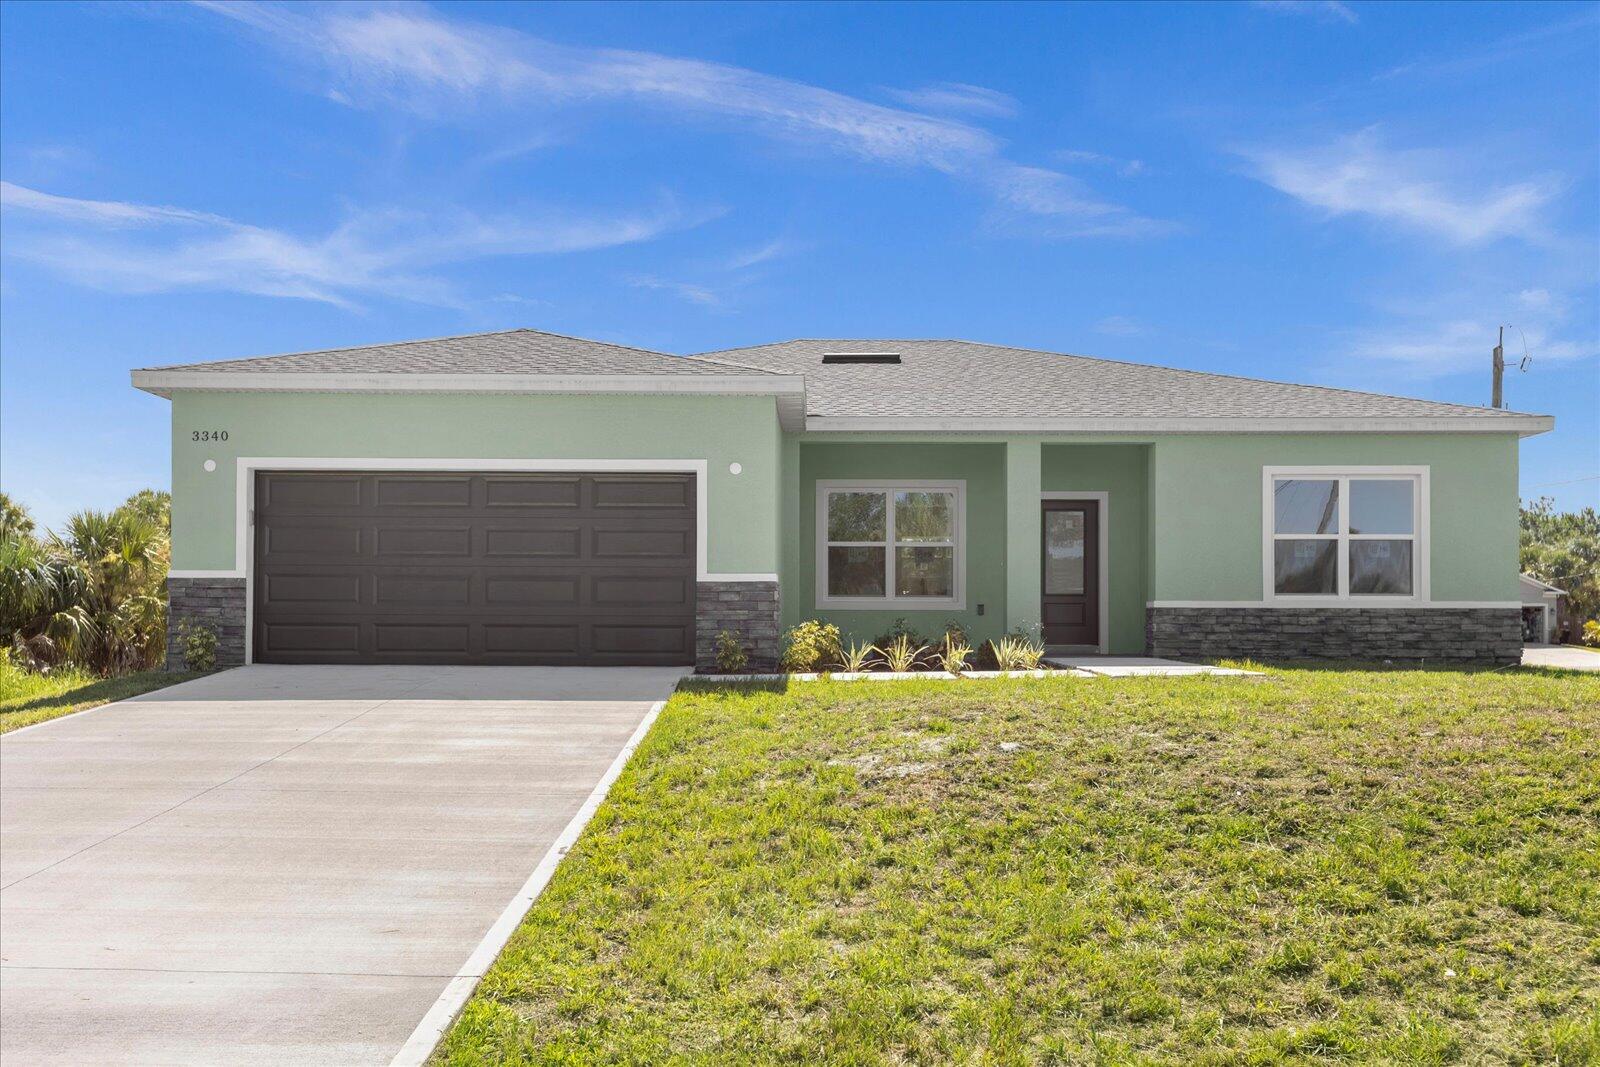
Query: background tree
(91, 594)
(1563, 548)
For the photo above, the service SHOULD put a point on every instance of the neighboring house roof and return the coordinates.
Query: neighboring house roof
(1530, 584)
(967, 385)
(949, 386)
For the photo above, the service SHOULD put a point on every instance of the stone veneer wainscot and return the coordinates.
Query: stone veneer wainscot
(749, 609)
(217, 603)
(1490, 636)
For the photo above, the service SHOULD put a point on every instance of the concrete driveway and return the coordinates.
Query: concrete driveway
(1566, 657)
(283, 864)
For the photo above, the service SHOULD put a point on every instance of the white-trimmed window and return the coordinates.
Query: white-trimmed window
(891, 544)
(1351, 533)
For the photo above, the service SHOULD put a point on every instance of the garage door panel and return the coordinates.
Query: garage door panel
(554, 592)
(616, 492)
(533, 491)
(474, 568)
(613, 544)
(289, 540)
(297, 588)
(445, 491)
(310, 492)
(322, 637)
(530, 542)
(524, 638)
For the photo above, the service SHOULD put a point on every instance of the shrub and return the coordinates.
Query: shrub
(731, 656)
(898, 629)
(1591, 633)
(811, 645)
(199, 648)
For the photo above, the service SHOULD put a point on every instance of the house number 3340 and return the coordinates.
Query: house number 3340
(208, 435)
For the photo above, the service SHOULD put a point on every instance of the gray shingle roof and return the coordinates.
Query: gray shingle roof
(965, 379)
(505, 352)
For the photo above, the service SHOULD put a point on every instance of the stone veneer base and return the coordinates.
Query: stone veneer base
(1489, 636)
(750, 610)
(214, 602)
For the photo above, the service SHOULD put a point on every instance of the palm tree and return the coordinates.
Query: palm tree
(92, 593)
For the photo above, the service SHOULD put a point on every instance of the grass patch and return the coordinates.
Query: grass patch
(1361, 865)
(27, 698)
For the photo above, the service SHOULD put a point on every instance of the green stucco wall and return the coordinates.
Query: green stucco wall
(742, 529)
(1119, 472)
(1206, 504)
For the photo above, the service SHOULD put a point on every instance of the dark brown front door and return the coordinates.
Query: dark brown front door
(1071, 564)
(507, 568)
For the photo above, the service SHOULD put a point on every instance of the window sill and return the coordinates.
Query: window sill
(889, 604)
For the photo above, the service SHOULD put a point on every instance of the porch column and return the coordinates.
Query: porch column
(1023, 480)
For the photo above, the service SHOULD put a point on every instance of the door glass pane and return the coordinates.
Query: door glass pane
(1063, 553)
(1306, 506)
(856, 571)
(1380, 568)
(856, 517)
(1306, 566)
(924, 516)
(924, 571)
(1380, 506)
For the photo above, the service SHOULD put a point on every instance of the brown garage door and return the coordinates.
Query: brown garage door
(355, 567)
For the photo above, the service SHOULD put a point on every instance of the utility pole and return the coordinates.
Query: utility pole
(1499, 369)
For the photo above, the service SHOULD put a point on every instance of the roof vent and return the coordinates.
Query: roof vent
(861, 357)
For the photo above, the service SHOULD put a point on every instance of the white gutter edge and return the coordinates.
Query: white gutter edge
(1523, 425)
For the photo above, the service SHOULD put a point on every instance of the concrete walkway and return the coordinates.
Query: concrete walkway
(282, 864)
(1133, 666)
(1563, 656)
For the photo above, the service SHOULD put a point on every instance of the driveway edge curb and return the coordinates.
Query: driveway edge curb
(426, 1037)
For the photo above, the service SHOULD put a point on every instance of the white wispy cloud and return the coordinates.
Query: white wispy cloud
(416, 59)
(1455, 346)
(1127, 168)
(776, 248)
(140, 248)
(694, 294)
(1324, 10)
(1035, 201)
(1119, 326)
(1358, 174)
(958, 98)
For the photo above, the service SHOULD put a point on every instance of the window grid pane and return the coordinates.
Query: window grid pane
(1367, 525)
(886, 563)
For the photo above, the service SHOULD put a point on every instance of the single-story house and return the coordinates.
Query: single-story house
(522, 497)
(1543, 613)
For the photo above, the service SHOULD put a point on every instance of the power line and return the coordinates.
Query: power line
(1569, 481)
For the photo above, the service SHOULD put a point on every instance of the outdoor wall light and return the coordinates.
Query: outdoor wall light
(735, 468)
(211, 465)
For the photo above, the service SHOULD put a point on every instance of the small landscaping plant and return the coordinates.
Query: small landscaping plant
(731, 656)
(952, 657)
(1015, 652)
(199, 648)
(900, 655)
(1591, 633)
(812, 645)
(858, 657)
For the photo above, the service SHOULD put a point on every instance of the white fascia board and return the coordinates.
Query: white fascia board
(789, 389)
(1522, 425)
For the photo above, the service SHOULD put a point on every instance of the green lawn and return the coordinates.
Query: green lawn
(29, 698)
(1398, 867)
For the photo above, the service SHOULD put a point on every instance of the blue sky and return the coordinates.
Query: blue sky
(1342, 194)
